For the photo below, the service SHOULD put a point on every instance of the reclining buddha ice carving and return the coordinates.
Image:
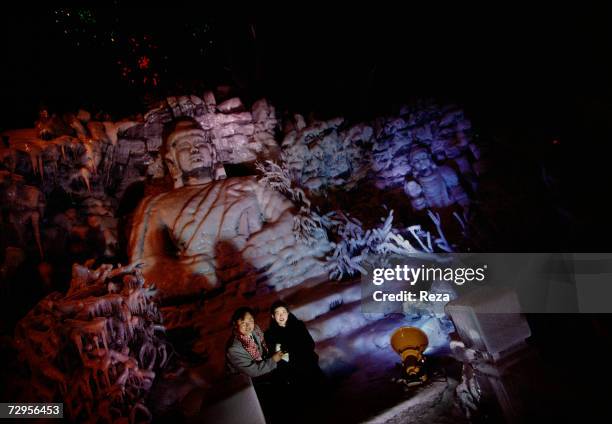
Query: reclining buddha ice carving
(178, 234)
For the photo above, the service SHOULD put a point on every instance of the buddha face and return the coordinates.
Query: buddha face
(193, 152)
(190, 154)
(421, 163)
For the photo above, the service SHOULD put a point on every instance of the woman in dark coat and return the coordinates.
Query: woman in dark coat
(300, 366)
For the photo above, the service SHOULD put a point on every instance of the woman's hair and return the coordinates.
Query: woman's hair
(278, 304)
(240, 313)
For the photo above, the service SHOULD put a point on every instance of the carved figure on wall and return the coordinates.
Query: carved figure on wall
(179, 234)
(25, 205)
(432, 186)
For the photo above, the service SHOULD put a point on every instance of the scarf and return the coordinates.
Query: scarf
(249, 344)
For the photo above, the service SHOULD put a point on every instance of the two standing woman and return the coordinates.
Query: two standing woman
(282, 363)
(287, 347)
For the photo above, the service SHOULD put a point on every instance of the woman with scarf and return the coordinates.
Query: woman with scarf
(247, 353)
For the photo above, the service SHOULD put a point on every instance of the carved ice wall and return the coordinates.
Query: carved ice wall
(96, 348)
(336, 154)
(96, 161)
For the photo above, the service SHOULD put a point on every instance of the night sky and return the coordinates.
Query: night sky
(527, 76)
(542, 65)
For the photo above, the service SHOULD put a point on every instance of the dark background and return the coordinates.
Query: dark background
(545, 68)
(535, 80)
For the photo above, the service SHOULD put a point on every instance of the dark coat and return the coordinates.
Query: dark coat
(295, 339)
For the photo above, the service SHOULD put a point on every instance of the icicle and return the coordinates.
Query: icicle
(41, 168)
(33, 160)
(90, 161)
(105, 368)
(104, 336)
(109, 164)
(85, 174)
(36, 226)
(76, 338)
(97, 324)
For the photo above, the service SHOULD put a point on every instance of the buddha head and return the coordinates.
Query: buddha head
(190, 154)
(420, 161)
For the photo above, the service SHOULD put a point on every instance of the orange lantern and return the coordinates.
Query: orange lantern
(410, 343)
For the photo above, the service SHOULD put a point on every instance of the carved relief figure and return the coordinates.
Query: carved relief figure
(179, 234)
(25, 205)
(432, 186)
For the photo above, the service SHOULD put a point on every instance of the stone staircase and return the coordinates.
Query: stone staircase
(331, 311)
(353, 347)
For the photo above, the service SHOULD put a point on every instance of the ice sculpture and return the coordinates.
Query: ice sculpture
(211, 230)
(432, 186)
(98, 347)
